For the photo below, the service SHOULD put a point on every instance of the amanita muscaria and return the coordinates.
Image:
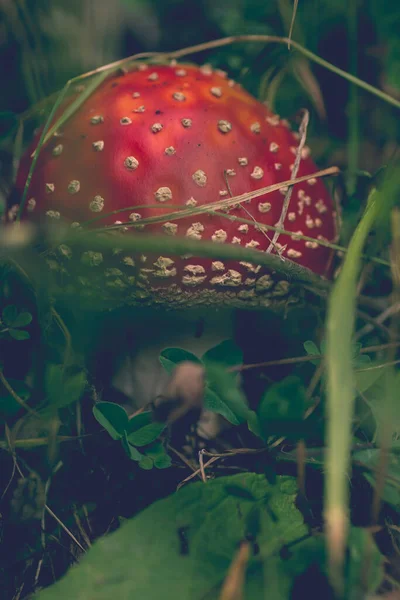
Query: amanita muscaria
(186, 136)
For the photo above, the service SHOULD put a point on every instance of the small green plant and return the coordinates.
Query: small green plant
(12, 321)
(138, 432)
(280, 411)
(222, 393)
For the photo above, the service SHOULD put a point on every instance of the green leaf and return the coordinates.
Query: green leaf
(112, 417)
(19, 335)
(311, 552)
(11, 317)
(311, 348)
(239, 492)
(361, 361)
(226, 353)
(130, 450)
(391, 491)
(366, 379)
(146, 463)
(223, 395)
(253, 423)
(62, 388)
(170, 357)
(139, 421)
(155, 450)
(213, 403)
(360, 546)
(146, 434)
(281, 410)
(163, 462)
(159, 455)
(214, 523)
(22, 320)
(9, 314)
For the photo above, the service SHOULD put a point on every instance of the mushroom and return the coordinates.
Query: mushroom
(184, 136)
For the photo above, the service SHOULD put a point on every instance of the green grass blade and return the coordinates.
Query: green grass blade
(77, 103)
(48, 130)
(341, 382)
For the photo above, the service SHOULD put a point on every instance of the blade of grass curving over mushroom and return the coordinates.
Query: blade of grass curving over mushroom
(14, 239)
(103, 72)
(340, 384)
(49, 130)
(221, 42)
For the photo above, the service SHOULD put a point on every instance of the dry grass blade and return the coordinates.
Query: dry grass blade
(233, 587)
(304, 75)
(295, 6)
(264, 39)
(227, 41)
(223, 204)
(296, 165)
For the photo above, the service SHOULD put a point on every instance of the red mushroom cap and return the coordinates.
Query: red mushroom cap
(186, 136)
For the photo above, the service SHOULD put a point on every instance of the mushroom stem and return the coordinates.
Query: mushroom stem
(142, 378)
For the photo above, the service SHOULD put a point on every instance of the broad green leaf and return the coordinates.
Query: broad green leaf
(239, 492)
(362, 361)
(9, 314)
(226, 353)
(225, 385)
(170, 357)
(146, 434)
(311, 552)
(19, 334)
(22, 320)
(213, 403)
(112, 417)
(62, 388)
(145, 560)
(364, 379)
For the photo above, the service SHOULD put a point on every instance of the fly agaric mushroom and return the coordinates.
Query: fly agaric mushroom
(186, 136)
